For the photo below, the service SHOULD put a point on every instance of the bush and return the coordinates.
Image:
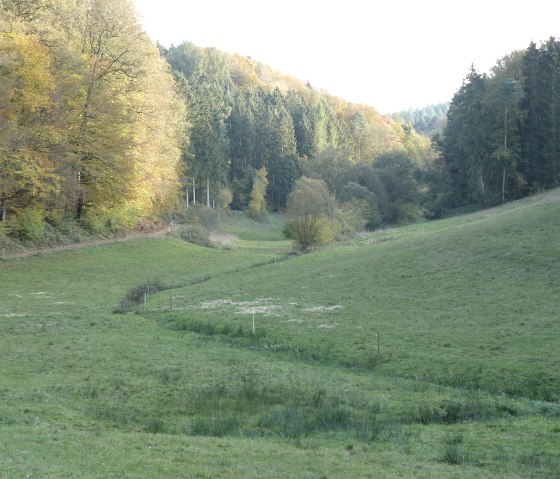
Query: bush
(310, 231)
(225, 197)
(29, 224)
(103, 221)
(196, 234)
(257, 205)
(200, 215)
(354, 216)
(310, 214)
(138, 294)
(3, 230)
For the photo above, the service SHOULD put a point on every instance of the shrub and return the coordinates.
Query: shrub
(309, 231)
(310, 214)
(225, 197)
(257, 204)
(354, 216)
(201, 215)
(103, 221)
(29, 224)
(196, 234)
(138, 294)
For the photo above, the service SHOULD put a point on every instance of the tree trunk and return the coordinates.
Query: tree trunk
(207, 192)
(79, 206)
(4, 208)
(193, 193)
(504, 185)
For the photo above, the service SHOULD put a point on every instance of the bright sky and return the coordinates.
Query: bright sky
(390, 54)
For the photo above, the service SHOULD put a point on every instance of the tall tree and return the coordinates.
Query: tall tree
(466, 142)
(507, 98)
(26, 169)
(257, 205)
(209, 143)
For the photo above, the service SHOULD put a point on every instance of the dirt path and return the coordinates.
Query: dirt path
(168, 229)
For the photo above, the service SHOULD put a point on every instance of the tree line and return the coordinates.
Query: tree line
(246, 118)
(91, 123)
(502, 139)
(101, 128)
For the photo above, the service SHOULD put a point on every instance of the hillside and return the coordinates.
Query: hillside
(462, 380)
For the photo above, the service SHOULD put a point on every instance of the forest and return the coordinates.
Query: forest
(102, 129)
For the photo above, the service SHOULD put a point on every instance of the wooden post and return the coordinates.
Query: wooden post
(254, 333)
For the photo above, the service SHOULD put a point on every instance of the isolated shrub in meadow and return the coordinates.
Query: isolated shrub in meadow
(310, 214)
(138, 294)
(309, 231)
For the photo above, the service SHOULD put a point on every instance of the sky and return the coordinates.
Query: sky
(389, 54)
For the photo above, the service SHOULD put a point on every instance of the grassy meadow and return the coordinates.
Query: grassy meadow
(429, 350)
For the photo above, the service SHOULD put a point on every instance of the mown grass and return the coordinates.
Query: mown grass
(184, 389)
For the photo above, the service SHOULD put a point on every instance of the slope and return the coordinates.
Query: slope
(183, 389)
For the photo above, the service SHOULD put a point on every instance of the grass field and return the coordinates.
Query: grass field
(431, 350)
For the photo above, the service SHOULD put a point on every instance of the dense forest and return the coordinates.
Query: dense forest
(502, 139)
(428, 121)
(91, 125)
(245, 117)
(102, 128)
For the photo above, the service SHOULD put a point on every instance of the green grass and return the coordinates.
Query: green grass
(465, 383)
(239, 224)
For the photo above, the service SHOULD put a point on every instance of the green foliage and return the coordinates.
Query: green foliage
(225, 197)
(274, 122)
(428, 121)
(86, 124)
(356, 215)
(310, 197)
(308, 231)
(109, 221)
(29, 224)
(500, 138)
(310, 214)
(257, 204)
(139, 294)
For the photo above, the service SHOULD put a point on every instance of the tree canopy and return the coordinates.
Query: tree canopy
(91, 123)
